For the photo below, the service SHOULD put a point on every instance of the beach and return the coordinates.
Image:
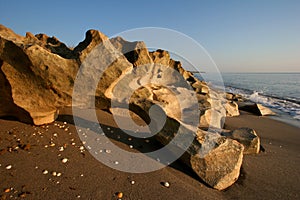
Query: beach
(30, 153)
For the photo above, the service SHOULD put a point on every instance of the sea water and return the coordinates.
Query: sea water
(278, 91)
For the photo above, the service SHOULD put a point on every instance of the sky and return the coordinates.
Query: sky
(240, 36)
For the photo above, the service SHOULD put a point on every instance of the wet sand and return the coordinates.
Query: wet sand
(272, 174)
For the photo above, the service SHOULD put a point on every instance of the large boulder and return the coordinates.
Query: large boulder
(42, 77)
(215, 159)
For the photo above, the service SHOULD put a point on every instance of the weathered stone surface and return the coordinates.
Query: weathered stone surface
(42, 78)
(232, 109)
(255, 108)
(247, 137)
(215, 159)
(211, 118)
(135, 52)
(219, 167)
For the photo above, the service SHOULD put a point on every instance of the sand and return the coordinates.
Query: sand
(272, 174)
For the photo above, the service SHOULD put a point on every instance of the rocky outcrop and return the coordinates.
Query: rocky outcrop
(39, 74)
(41, 71)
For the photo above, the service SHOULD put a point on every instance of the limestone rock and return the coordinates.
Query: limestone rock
(219, 161)
(232, 109)
(42, 78)
(255, 108)
(248, 138)
(215, 159)
(135, 52)
(211, 118)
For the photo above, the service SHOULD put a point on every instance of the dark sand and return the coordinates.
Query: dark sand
(273, 174)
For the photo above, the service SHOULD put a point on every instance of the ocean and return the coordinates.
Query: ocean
(277, 91)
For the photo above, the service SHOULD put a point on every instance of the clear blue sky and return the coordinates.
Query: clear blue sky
(255, 36)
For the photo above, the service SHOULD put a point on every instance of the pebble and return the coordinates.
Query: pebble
(73, 143)
(130, 146)
(7, 190)
(120, 195)
(58, 174)
(107, 151)
(116, 162)
(45, 172)
(54, 174)
(166, 184)
(132, 182)
(52, 144)
(81, 147)
(65, 122)
(64, 160)
(8, 167)
(55, 134)
(61, 149)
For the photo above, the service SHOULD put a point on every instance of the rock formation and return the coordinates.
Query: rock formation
(38, 74)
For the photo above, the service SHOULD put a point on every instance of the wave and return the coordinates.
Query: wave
(281, 105)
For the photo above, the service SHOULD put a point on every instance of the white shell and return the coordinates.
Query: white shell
(167, 184)
(8, 167)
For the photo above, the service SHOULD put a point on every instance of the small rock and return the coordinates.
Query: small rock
(58, 174)
(132, 182)
(7, 190)
(64, 160)
(52, 144)
(107, 151)
(45, 171)
(130, 146)
(8, 167)
(61, 149)
(120, 195)
(54, 174)
(116, 162)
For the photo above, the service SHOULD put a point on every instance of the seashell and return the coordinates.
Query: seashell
(166, 184)
(8, 167)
